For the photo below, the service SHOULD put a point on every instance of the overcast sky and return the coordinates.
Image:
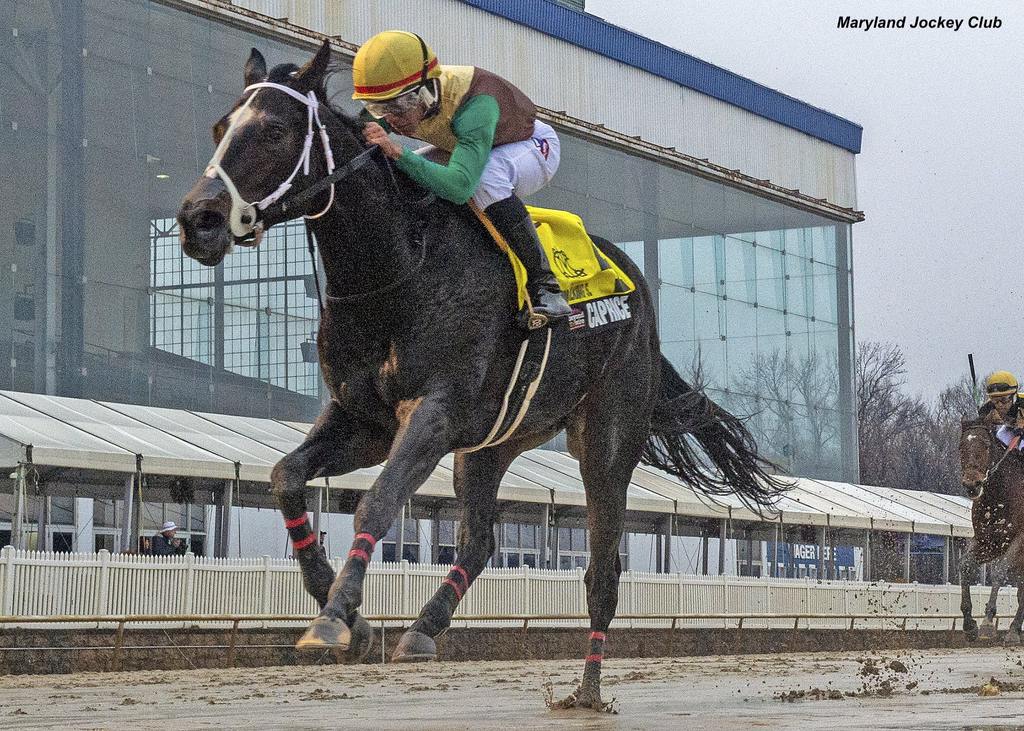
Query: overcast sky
(939, 261)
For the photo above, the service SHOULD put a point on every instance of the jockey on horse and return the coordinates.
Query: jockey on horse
(486, 143)
(1004, 408)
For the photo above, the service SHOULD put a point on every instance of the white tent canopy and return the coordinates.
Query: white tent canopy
(85, 435)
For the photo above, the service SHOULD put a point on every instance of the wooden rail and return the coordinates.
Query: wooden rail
(236, 620)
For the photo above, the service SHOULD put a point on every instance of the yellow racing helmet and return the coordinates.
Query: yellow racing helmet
(391, 63)
(1000, 383)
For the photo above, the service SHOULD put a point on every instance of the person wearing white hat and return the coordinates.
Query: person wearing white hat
(164, 543)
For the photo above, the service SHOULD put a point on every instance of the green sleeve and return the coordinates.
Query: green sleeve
(474, 125)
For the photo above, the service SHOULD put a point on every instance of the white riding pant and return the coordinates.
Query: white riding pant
(1005, 435)
(518, 167)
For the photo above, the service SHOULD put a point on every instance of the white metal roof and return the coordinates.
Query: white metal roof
(88, 435)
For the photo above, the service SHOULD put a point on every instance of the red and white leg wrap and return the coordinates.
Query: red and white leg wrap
(458, 580)
(596, 648)
(300, 532)
(362, 547)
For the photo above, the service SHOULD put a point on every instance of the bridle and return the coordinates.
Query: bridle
(244, 219)
(993, 468)
(248, 219)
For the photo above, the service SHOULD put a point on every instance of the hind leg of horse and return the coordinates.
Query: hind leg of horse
(423, 438)
(607, 462)
(335, 445)
(968, 575)
(1015, 575)
(477, 477)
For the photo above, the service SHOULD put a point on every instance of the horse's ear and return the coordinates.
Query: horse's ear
(255, 68)
(311, 76)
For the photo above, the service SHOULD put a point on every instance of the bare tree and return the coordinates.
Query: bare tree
(905, 441)
(796, 421)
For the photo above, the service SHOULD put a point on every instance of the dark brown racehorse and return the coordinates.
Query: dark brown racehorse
(417, 341)
(993, 477)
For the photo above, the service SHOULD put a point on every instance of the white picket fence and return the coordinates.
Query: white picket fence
(105, 584)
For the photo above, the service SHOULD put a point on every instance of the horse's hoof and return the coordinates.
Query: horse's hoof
(324, 633)
(971, 630)
(415, 647)
(361, 642)
(1011, 638)
(584, 698)
(988, 630)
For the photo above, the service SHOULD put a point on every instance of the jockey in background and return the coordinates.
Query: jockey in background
(1004, 407)
(486, 141)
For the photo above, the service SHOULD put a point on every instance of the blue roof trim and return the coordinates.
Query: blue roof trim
(595, 34)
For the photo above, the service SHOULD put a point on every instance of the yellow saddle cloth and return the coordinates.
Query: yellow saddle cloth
(582, 270)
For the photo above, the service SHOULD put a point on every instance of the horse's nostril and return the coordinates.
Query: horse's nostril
(208, 220)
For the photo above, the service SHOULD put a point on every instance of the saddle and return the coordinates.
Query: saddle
(594, 285)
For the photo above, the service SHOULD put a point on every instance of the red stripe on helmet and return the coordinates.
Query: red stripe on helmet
(400, 84)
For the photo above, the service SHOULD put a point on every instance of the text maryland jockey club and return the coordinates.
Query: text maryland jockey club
(919, 22)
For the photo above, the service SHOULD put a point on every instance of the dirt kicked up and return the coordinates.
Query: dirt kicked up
(930, 689)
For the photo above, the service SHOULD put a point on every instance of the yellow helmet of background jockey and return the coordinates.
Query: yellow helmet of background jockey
(1000, 383)
(390, 63)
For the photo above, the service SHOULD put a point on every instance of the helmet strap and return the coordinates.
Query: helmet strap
(426, 60)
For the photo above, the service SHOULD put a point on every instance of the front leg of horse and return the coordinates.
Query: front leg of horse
(968, 574)
(476, 476)
(423, 438)
(335, 445)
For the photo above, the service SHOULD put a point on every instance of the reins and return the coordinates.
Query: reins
(1011, 447)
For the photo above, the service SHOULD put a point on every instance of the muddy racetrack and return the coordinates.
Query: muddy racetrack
(928, 689)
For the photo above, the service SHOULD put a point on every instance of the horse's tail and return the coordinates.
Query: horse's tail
(736, 468)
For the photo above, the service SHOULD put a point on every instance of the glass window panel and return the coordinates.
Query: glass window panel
(825, 306)
(510, 535)
(62, 510)
(528, 535)
(446, 531)
(176, 513)
(707, 321)
(152, 515)
(676, 319)
(705, 264)
(675, 262)
(564, 539)
(823, 244)
(740, 270)
(103, 512)
(197, 516)
(770, 278)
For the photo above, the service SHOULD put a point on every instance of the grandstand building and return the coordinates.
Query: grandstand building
(736, 200)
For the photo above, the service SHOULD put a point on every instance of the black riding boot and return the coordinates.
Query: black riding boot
(511, 219)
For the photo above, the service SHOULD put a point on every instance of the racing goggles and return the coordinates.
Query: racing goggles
(397, 106)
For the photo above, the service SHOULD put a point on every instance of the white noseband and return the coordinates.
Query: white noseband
(243, 217)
